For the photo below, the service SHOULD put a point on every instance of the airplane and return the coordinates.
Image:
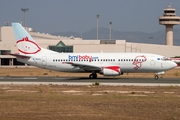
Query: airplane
(107, 64)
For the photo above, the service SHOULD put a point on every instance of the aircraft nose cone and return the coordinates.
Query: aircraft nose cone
(169, 65)
(173, 65)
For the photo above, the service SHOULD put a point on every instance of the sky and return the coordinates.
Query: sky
(49, 16)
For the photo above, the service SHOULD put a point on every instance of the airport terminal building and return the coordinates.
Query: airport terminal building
(77, 45)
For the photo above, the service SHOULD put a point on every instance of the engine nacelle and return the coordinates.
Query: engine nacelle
(111, 71)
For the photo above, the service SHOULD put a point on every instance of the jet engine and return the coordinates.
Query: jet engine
(111, 71)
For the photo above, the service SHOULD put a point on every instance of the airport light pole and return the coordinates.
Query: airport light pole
(110, 30)
(97, 25)
(150, 39)
(25, 10)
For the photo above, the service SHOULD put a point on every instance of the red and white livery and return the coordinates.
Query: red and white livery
(108, 64)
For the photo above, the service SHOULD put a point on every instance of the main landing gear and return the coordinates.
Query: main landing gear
(93, 76)
(156, 77)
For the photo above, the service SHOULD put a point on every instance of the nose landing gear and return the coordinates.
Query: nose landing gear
(156, 77)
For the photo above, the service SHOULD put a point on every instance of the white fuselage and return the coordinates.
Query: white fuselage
(108, 64)
(128, 62)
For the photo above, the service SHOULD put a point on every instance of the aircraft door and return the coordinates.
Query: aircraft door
(152, 62)
(44, 60)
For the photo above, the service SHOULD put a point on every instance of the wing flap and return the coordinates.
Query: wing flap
(84, 66)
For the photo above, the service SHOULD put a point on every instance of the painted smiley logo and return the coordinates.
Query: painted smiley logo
(138, 61)
(27, 46)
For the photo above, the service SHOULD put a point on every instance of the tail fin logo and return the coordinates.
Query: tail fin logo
(27, 46)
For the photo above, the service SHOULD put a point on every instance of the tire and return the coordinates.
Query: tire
(93, 76)
(156, 77)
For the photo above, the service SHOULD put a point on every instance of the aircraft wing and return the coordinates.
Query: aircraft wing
(85, 66)
(17, 55)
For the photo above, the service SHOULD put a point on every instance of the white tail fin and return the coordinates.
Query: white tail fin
(25, 43)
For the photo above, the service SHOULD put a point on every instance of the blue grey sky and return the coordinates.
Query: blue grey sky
(50, 16)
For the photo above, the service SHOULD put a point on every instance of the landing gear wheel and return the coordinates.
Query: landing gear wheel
(156, 77)
(93, 76)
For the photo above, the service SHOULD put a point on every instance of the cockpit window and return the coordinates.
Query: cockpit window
(164, 59)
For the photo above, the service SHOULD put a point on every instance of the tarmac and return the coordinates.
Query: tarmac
(86, 81)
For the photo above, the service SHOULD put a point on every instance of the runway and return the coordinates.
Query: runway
(87, 81)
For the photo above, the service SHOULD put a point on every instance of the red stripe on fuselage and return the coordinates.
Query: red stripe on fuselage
(115, 68)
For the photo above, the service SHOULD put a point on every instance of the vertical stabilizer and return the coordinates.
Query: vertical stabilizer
(25, 43)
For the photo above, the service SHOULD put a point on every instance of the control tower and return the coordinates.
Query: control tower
(169, 19)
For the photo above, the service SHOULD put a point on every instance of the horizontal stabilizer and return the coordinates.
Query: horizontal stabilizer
(17, 55)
